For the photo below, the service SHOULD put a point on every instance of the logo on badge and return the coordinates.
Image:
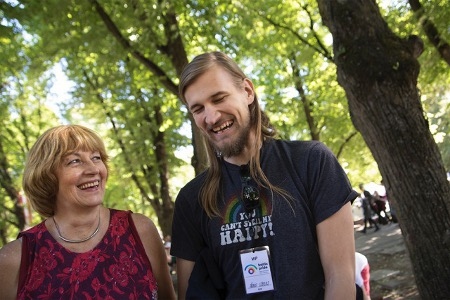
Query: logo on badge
(250, 269)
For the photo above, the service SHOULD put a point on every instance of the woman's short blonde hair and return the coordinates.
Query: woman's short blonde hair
(39, 182)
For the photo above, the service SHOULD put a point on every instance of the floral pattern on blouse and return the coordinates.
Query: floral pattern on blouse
(117, 268)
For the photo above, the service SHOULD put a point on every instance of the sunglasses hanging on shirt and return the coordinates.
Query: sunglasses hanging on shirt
(250, 193)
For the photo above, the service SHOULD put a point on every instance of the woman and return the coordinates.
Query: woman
(362, 275)
(82, 250)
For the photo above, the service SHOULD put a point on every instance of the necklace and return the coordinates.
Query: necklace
(77, 241)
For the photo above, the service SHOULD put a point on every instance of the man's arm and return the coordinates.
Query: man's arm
(337, 253)
(184, 270)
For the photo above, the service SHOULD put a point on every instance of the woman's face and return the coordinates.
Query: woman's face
(82, 179)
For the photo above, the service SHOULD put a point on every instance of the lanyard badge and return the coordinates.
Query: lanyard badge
(256, 270)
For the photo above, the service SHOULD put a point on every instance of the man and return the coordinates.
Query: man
(269, 219)
(367, 204)
(367, 209)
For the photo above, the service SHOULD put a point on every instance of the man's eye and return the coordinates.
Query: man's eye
(197, 110)
(219, 99)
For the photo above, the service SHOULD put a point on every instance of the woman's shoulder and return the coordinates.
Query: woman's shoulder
(144, 225)
(10, 257)
(10, 252)
(140, 221)
(138, 217)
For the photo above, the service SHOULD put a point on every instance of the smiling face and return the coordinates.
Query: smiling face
(81, 180)
(220, 109)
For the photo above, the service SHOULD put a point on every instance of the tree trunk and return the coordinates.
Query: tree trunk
(308, 108)
(378, 72)
(8, 186)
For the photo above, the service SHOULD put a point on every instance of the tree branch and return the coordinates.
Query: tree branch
(431, 31)
(320, 49)
(157, 71)
(346, 141)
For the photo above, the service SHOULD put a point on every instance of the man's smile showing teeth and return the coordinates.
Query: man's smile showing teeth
(89, 185)
(222, 127)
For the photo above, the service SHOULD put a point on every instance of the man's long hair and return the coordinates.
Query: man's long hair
(259, 121)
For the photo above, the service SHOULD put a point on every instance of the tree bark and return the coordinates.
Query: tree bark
(378, 72)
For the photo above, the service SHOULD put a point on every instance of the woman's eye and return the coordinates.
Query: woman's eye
(96, 158)
(73, 161)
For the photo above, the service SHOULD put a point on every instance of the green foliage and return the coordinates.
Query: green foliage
(282, 45)
(24, 115)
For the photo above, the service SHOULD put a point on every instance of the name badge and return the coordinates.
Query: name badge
(256, 270)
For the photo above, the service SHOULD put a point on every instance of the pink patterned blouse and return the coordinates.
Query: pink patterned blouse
(117, 268)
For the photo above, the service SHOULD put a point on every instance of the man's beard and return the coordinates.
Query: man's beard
(236, 146)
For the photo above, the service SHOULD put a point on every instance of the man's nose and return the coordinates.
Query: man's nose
(212, 115)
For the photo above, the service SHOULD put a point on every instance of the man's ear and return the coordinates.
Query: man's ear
(248, 88)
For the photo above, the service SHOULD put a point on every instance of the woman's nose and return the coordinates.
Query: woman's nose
(91, 167)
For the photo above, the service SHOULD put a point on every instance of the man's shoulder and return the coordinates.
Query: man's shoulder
(194, 184)
(295, 146)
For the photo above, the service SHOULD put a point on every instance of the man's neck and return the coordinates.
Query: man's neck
(238, 160)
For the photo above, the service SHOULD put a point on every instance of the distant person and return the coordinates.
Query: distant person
(392, 212)
(82, 250)
(380, 203)
(362, 275)
(269, 218)
(167, 245)
(362, 189)
(392, 207)
(367, 210)
(170, 259)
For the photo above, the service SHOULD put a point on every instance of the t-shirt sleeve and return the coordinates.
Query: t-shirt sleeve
(329, 187)
(187, 240)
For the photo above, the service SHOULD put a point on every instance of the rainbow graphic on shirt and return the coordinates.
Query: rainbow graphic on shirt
(234, 207)
(239, 226)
